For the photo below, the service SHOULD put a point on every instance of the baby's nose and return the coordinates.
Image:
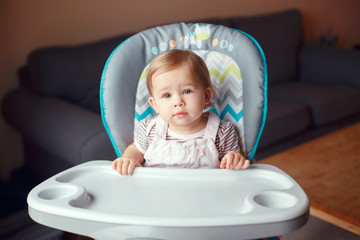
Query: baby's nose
(179, 102)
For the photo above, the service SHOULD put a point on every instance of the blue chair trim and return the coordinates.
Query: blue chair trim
(252, 155)
(101, 98)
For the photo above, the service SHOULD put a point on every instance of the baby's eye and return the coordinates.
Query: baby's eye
(166, 95)
(187, 91)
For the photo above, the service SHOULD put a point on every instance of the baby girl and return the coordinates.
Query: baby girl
(182, 134)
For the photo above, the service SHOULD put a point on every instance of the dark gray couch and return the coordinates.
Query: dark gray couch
(56, 107)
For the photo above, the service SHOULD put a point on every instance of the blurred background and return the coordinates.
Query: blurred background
(26, 25)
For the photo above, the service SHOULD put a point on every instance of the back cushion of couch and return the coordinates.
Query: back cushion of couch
(280, 35)
(71, 72)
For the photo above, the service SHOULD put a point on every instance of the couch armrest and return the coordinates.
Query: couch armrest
(68, 131)
(329, 65)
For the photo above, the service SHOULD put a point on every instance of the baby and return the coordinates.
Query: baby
(183, 134)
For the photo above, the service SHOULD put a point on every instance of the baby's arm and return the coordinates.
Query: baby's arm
(131, 158)
(232, 157)
(234, 160)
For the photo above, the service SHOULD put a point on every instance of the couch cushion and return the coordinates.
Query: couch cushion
(328, 103)
(284, 120)
(280, 35)
(329, 65)
(72, 73)
(60, 128)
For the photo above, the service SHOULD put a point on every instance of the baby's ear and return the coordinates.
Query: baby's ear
(207, 95)
(153, 104)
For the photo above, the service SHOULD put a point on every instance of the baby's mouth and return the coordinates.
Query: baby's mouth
(180, 114)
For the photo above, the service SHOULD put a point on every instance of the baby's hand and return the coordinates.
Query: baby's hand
(234, 160)
(125, 165)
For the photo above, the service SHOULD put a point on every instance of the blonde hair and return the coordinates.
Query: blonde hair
(175, 58)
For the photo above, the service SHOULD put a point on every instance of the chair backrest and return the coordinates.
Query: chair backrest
(237, 68)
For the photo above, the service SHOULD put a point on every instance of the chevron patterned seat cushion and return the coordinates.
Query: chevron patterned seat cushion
(237, 68)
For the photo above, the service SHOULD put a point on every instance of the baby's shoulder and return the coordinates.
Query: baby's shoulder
(147, 126)
(225, 125)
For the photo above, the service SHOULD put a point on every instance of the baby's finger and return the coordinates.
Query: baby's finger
(240, 163)
(243, 164)
(114, 164)
(230, 160)
(223, 162)
(246, 164)
(237, 160)
(125, 167)
(131, 168)
(119, 165)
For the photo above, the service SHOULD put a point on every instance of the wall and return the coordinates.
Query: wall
(26, 25)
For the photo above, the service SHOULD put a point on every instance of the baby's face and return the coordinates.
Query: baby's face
(180, 98)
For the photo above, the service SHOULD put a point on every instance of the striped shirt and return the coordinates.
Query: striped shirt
(226, 138)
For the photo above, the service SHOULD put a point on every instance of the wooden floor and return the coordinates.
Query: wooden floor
(328, 168)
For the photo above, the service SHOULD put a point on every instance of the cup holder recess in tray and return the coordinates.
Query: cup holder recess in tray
(77, 194)
(275, 199)
(58, 192)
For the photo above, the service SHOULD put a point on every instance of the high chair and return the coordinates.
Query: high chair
(93, 200)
